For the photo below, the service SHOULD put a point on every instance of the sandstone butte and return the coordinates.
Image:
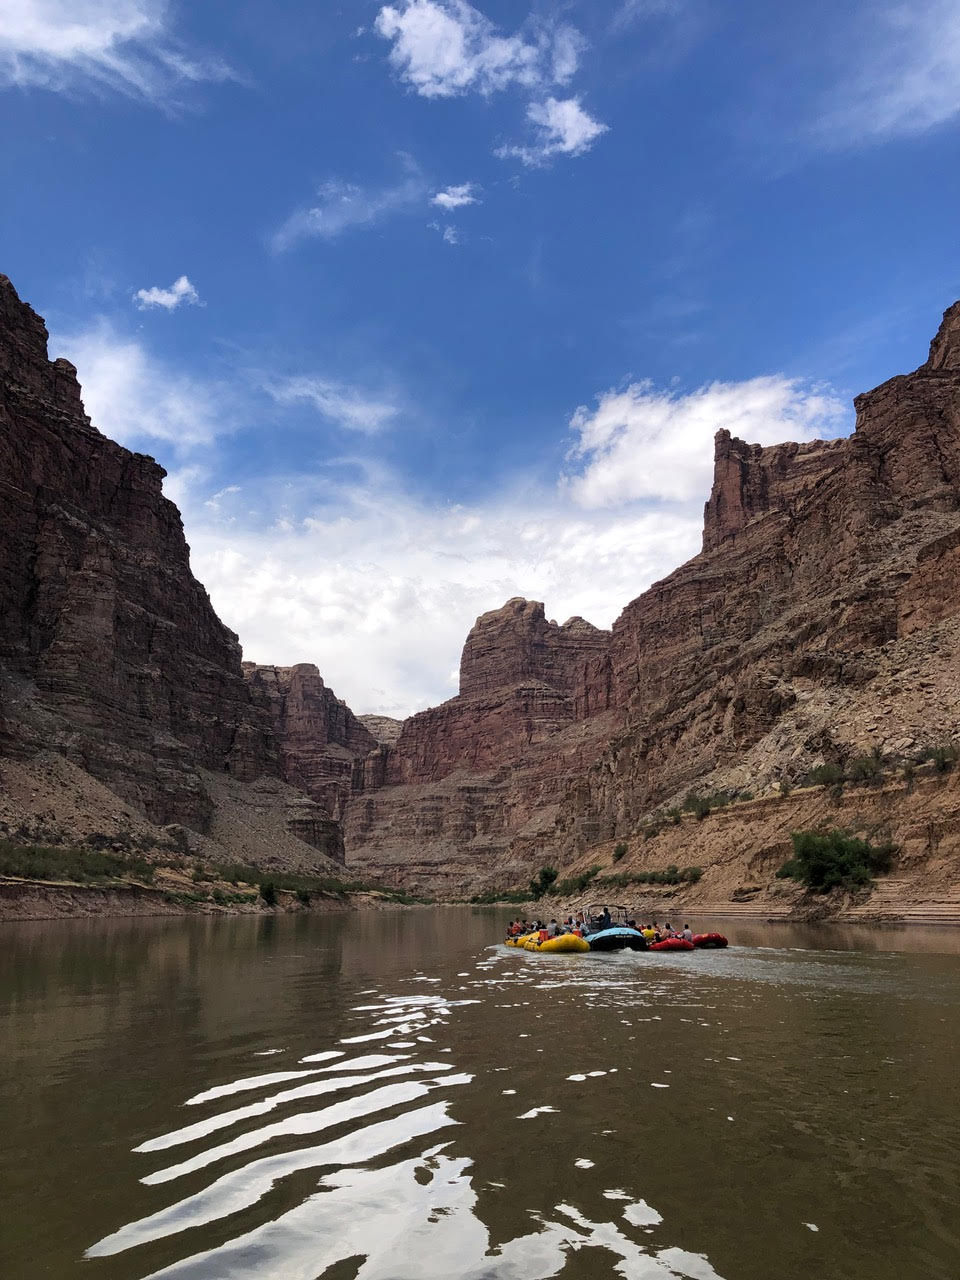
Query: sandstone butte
(819, 623)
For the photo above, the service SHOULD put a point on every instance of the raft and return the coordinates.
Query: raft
(709, 940)
(672, 944)
(616, 938)
(562, 942)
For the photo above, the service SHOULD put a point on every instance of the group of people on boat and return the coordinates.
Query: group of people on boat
(581, 924)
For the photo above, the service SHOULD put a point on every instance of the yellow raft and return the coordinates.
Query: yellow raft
(563, 942)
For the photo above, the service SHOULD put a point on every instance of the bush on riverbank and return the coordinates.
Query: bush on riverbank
(79, 866)
(825, 860)
(673, 875)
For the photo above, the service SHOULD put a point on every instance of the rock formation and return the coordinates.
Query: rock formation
(111, 654)
(821, 620)
(320, 738)
(826, 568)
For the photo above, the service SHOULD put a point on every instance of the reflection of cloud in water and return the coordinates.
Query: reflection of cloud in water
(388, 1212)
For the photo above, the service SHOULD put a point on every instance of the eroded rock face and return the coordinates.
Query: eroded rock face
(522, 680)
(822, 565)
(815, 557)
(320, 738)
(468, 793)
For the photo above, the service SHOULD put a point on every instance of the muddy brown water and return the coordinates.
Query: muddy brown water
(393, 1096)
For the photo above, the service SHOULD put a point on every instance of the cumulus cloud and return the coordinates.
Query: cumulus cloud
(905, 74)
(379, 588)
(443, 48)
(381, 592)
(135, 398)
(180, 292)
(121, 45)
(353, 569)
(642, 443)
(561, 127)
(345, 406)
(456, 197)
(342, 206)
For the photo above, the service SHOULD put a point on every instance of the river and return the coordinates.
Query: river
(393, 1096)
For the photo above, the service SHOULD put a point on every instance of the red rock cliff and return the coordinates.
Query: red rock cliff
(825, 566)
(137, 679)
(319, 736)
(522, 679)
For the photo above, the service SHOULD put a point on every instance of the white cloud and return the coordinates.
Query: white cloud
(380, 588)
(451, 235)
(901, 76)
(342, 206)
(381, 592)
(641, 443)
(135, 398)
(181, 291)
(456, 197)
(443, 48)
(121, 45)
(346, 406)
(349, 569)
(562, 127)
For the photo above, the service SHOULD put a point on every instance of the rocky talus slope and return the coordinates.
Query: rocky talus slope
(122, 696)
(818, 623)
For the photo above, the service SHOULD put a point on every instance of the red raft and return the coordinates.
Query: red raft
(671, 944)
(709, 940)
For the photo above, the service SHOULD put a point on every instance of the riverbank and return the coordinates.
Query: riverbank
(42, 882)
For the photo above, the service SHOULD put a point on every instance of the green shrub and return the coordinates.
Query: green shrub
(619, 851)
(675, 815)
(75, 865)
(826, 775)
(785, 787)
(575, 884)
(699, 806)
(944, 758)
(865, 768)
(303, 896)
(268, 892)
(544, 882)
(824, 860)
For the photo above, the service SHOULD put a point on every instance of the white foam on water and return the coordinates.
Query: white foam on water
(265, 1053)
(536, 1111)
(811, 1226)
(656, 1085)
(642, 1214)
(577, 1077)
(583, 1164)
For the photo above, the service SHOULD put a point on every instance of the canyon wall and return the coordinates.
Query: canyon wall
(820, 620)
(809, 628)
(111, 655)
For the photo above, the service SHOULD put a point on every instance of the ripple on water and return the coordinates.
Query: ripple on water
(396, 1215)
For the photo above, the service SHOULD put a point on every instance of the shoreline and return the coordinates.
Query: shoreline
(24, 900)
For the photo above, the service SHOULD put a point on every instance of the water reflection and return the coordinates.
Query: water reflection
(411, 1217)
(393, 1096)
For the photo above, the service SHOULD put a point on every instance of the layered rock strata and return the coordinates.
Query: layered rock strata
(111, 654)
(320, 738)
(824, 565)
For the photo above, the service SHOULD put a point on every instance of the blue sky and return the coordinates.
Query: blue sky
(426, 305)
